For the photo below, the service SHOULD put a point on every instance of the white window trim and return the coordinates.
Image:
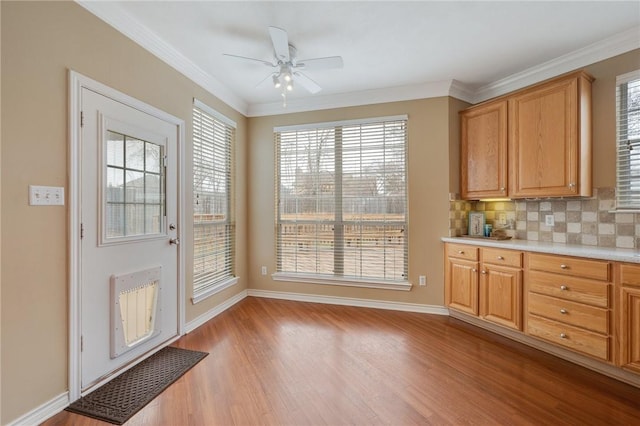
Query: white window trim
(214, 289)
(341, 281)
(206, 108)
(209, 290)
(622, 79)
(331, 124)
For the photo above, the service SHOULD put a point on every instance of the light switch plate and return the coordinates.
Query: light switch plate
(46, 195)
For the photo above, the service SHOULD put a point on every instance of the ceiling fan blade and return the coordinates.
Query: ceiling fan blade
(306, 82)
(267, 78)
(267, 63)
(280, 42)
(321, 63)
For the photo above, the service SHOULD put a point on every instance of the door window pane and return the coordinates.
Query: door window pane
(134, 187)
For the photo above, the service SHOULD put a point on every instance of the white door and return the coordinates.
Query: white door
(129, 256)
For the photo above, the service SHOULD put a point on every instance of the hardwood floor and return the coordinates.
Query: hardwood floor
(292, 363)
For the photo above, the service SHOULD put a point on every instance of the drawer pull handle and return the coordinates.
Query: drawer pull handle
(564, 288)
(563, 266)
(563, 311)
(500, 258)
(460, 252)
(563, 336)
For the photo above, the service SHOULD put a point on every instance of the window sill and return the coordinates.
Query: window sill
(213, 289)
(342, 281)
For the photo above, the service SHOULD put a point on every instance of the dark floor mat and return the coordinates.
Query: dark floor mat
(122, 397)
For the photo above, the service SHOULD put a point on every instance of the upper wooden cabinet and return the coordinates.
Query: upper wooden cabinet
(550, 139)
(484, 151)
(532, 143)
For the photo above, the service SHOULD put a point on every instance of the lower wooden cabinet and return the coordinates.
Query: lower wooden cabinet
(485, 283)
(461, 272)
(629, 318)
(568, 303)
(501, 295)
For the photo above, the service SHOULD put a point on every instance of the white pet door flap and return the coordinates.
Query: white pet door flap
(135, 307)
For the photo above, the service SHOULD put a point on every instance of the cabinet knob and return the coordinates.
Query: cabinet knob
(502, 189)
(571, 185)
(460, 252)
(563, 336)
(500, 258)
(563, 311)
(563, 266)
(483, 272)
(564, 288)
(474, 270)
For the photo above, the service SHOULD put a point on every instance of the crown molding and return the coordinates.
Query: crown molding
(462, 91)
(616, 45)
(118, 18)
(364, 97)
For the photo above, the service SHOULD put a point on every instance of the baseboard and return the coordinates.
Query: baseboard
(197, 322)
(348, 301)
(43, 412)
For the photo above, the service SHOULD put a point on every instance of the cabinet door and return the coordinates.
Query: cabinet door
(483, 151)
(462, 286)
(630, 328)
(544, 141)
(501, 296)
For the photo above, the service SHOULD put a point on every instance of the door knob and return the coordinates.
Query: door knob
(172, 227)
(174, 241)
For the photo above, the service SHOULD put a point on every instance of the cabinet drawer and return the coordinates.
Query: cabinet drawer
(585, 268)
(570, 337)
(462, 251)
(577, 314)
(591, 292)
(502, 257)
(630, 275)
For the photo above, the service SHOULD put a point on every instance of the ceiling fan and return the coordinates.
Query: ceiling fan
(287, 69)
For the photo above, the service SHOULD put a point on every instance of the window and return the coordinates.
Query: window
(213, 224)
(628, 136)
(342, 202)
(135, 187)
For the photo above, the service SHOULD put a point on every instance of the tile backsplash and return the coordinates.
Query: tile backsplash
(586, 221)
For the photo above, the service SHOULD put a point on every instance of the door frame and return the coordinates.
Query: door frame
(77, 82)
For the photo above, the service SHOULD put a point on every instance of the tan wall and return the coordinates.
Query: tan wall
(40, 42)
(428, 176)
(604, 114)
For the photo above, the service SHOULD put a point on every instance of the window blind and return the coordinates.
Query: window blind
(213, 224)
(628, 141)
(342, 199)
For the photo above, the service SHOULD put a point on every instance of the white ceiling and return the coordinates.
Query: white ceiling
(391, 50)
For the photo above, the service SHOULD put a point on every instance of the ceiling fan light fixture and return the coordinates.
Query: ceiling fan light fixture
(290, 86)
(276, 82)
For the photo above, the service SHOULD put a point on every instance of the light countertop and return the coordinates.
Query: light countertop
(613, 254)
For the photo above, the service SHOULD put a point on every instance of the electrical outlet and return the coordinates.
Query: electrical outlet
(423, 280)
(502, 219)
(548, 220)
(46, 195)
(263, 270)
